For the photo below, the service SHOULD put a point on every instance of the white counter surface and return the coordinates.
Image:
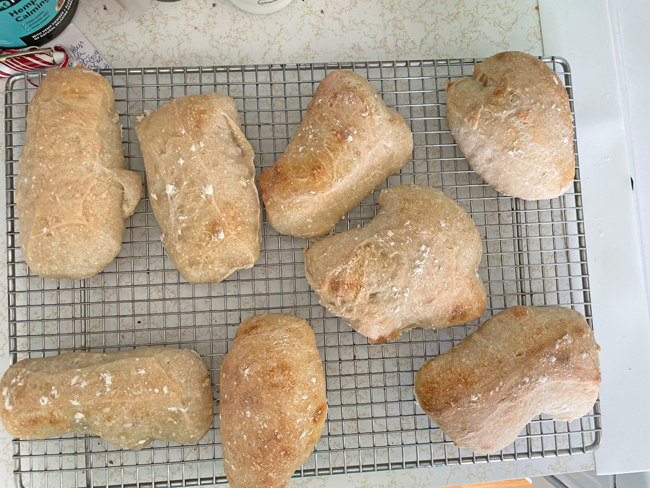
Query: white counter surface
(213, 32)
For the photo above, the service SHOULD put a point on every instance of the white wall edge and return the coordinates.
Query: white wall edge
(580, 31)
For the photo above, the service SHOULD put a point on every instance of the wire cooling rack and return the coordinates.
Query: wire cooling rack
(534, 253)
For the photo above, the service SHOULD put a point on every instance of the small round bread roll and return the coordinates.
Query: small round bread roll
(512, 121)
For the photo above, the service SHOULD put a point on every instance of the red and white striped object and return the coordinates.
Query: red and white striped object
(13, 61)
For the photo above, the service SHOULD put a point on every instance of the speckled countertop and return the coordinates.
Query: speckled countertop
(214, 32)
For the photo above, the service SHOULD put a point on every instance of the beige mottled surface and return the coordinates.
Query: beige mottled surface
(273, 400)
(162, 393)
(361, 30)
(209, 32)
(72, 190)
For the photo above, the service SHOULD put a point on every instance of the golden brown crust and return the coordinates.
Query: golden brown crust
(512, 121)
(522, 362)
(129, 398)
(273, 402)
(73, 192)
(414, 265)
(347, 144)
(201, 182)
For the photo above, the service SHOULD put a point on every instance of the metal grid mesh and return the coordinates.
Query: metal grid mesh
(533, 254)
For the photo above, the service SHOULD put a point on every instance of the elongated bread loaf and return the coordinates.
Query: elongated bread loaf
(128, 398)
(347, 144)
(73, 192)
(512, 121)
(522, 362)
(273, 403)
(201, 182)
(414, 265)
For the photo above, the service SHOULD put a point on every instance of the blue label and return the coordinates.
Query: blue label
(32, 22)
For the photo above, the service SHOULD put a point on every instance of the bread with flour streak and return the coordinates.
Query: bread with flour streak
(129, 398)
(273, 403)
(414, 265)
(201, 182)
(512, 121)
(73, 192)
(522, 362)
(348, 143)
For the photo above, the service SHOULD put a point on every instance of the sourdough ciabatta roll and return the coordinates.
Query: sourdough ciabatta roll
(128, 398)
(414, 265)
(512, 121)
(201, 182)
(73, 192)
(522, 362)
(273, 403)
(348, 143)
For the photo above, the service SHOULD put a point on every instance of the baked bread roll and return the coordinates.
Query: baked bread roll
(348, 143)
(414, 265)
(73, 192)
(522, 362)
(128, 398)
(201, 182)
(512, 121)
(273, 403)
